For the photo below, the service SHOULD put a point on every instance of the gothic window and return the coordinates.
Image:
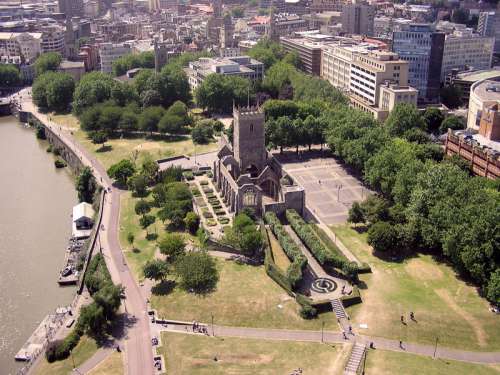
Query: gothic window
(251, 128)
(249, 198)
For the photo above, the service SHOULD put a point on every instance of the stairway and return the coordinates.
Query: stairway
(355, 359)
(338, 309)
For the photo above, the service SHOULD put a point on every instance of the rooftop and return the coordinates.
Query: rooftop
(479, 75)
(487, 90)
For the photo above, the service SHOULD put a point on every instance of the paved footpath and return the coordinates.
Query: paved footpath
(334, 337)
(137, 340)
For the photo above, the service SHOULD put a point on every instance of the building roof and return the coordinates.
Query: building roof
(83, 209)
(478, 75)
(487, 90)
(65, 64)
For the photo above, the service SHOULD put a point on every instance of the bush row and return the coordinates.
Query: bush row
(299, 261)
(271, 269)
(364, 268)
(320, 252)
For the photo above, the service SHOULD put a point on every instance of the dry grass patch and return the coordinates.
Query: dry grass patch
(245, 296)
(444, 305)
(190, 354)
(113, 365)
(280, 258)
(381, 362)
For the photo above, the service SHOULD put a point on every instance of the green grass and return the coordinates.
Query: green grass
(190, 354)
(245, 296)
(142, 249)
(445, 306)
(280, 258)
(82, 352)
(381, 362)
(125, 148)
(113, 365)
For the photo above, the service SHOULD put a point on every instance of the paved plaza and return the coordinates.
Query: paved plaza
(330, 188)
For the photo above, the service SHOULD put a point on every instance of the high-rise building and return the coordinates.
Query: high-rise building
(466, 50)
(423, 48)
(71, 8)
(358, 18)
(489, 25)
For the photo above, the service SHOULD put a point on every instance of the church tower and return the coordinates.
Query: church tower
(272, 31)
(249, 142)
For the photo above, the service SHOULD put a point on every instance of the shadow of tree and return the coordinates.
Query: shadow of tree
(104, 148)
(135, 250)
(151, 236)
(163, 288)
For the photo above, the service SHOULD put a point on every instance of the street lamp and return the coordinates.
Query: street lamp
(322, 331)
(213, 332)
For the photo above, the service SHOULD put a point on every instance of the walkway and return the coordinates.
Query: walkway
(138, 353)
(335, 337)
(318, 271)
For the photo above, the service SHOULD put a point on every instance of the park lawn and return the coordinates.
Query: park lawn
(142, 249)
(82, 352)
(382, 362)
(245, 296)
(193, 354)
(112, 365)
(279, 255)
(125, 148)
(445, 307)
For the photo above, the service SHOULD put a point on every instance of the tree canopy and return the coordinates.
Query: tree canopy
(48, 61)
(9, 75)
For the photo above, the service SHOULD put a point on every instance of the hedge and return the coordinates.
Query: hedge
(364, 268)
(299, 261)
(188, 175)
(307, 310)
(313, 243)
(271, 269)
(352, 299)
(61, 349)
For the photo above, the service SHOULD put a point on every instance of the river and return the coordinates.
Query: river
(35, 207)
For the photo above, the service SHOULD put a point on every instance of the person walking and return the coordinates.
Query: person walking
(401, 345)
(402, 319)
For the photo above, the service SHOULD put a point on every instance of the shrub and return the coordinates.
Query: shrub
(307, 311)
(223, 220)
(59, 163)
(192, 222)
(172, 245)
(299, 261)
(211, 222)
(195, 192)
(188, 175)
(320, 252)
(60, 349)
(207, 189)
(271, 269)
(197, 271)
(49, 149)
(210, 174)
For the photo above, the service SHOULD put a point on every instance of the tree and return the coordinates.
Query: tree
(48, 61)
(128, 121)
(121, 171)
(132, 61)
(460, 15)
(218, 92)
(383, 237)
(197, 272)
(53, 91)
(9, 76)
(93, 88)
(150, 98)
(493, 288)
(149, 168)
(146, 220)
(356, 214)
(130, 238)
(123, 94)
(374, 209)
(108, 298)
(99, 137)
(138, 184)
(244, 235)
(433, 117)
(86, 185)
(192, 222)
(238, 12)
(142, 207)
(404, 117)
(452, 122)
(451, 96)
(202, 133)
(155, 269)
(149, 119)
(92, 320)
(110, 117)
(172, 245)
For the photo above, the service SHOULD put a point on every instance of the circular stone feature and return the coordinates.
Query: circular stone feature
(323, 285)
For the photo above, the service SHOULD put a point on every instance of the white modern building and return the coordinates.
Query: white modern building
(83, 220)
(464, 50)
(27, 46)
(482, 94)
(54, 39)
(110, 52)
(241, 66)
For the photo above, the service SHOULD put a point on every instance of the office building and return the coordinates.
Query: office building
(358, 18)
(308, 51)
(241, 66)
(489, 25)
(423, 48)
(466, 50)
(71, 8)
(374, 80)
(109, 52)
(26, 46)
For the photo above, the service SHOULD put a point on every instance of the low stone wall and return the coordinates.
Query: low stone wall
(53, 138)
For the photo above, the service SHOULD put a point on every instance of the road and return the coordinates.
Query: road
(137, 339)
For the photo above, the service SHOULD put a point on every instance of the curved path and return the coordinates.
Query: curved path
(137, 340)
(335, 337)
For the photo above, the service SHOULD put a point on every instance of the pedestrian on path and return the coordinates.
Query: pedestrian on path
(343, 334)
(403, 319)
(350, 330)
(412, 316)
(401, 345)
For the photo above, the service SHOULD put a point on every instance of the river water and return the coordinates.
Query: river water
(35, 207)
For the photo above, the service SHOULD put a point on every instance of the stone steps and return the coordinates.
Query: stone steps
(338, 309)
(356, 357)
